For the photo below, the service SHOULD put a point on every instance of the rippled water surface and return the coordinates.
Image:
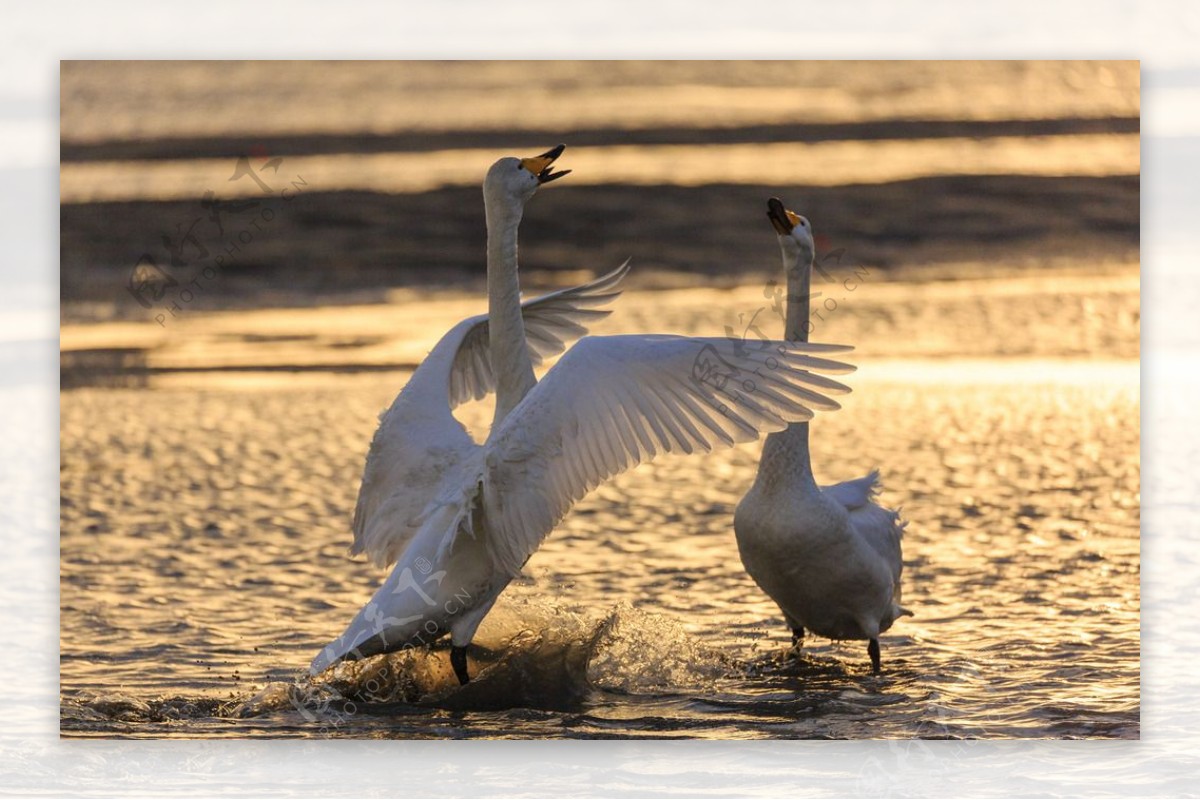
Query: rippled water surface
(205, 527)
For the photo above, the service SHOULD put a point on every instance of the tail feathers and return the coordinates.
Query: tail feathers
(856, 493)
(400, 608)
(464, 518)
(401, 612)
(364, 638)
(354, 644)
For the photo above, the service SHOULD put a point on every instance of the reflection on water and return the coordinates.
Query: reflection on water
(203, 563)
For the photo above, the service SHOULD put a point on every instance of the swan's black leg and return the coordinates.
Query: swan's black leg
(458, 660)
(873, 652)
(797, 636)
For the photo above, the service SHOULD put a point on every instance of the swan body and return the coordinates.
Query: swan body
(419, 441)
(830, 557)
(459, 518)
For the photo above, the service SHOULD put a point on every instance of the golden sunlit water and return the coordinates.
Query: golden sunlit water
(205, 527)
(211, 450)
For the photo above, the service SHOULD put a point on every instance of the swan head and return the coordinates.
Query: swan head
(795, 232)
(514, 180)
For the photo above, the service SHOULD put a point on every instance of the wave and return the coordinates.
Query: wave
(528, 654)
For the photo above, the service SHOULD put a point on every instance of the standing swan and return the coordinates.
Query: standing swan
(463, 518)
(830, 558)
(405, 464)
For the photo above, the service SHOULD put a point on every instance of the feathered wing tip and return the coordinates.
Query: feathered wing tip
(601, 291)
(611, 279)
(616, 401)
(823, 347)
(551, 322)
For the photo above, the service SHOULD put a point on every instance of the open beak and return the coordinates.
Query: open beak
(540, 165)
(782, 219)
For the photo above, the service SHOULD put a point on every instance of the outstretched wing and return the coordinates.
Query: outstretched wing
(416, 445)
(551, 321)
(615, 401)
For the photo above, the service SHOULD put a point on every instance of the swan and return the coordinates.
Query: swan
(829, 557)
(403, 468)
(460, 518)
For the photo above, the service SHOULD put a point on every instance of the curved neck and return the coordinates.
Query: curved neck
(785, 464)
(506, 330)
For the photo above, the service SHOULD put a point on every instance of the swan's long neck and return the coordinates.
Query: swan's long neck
(510, 355)
(785, 465)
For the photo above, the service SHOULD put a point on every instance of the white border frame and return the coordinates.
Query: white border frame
(34, 761)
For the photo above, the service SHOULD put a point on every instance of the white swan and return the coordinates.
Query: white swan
(829, 557)
(463, 518)
(403, 471)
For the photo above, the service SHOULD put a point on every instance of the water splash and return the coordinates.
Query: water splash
(528, 654)
(636, 651)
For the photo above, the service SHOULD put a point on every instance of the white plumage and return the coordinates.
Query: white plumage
(462, 518)
(829, 557)
(418, 438)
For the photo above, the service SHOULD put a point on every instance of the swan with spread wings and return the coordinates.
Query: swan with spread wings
(460, 519)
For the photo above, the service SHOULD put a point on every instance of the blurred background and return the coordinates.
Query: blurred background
(255, 255)
(916, 171)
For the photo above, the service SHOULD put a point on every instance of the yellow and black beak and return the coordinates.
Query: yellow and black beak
(540, 165)
(780, 217)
